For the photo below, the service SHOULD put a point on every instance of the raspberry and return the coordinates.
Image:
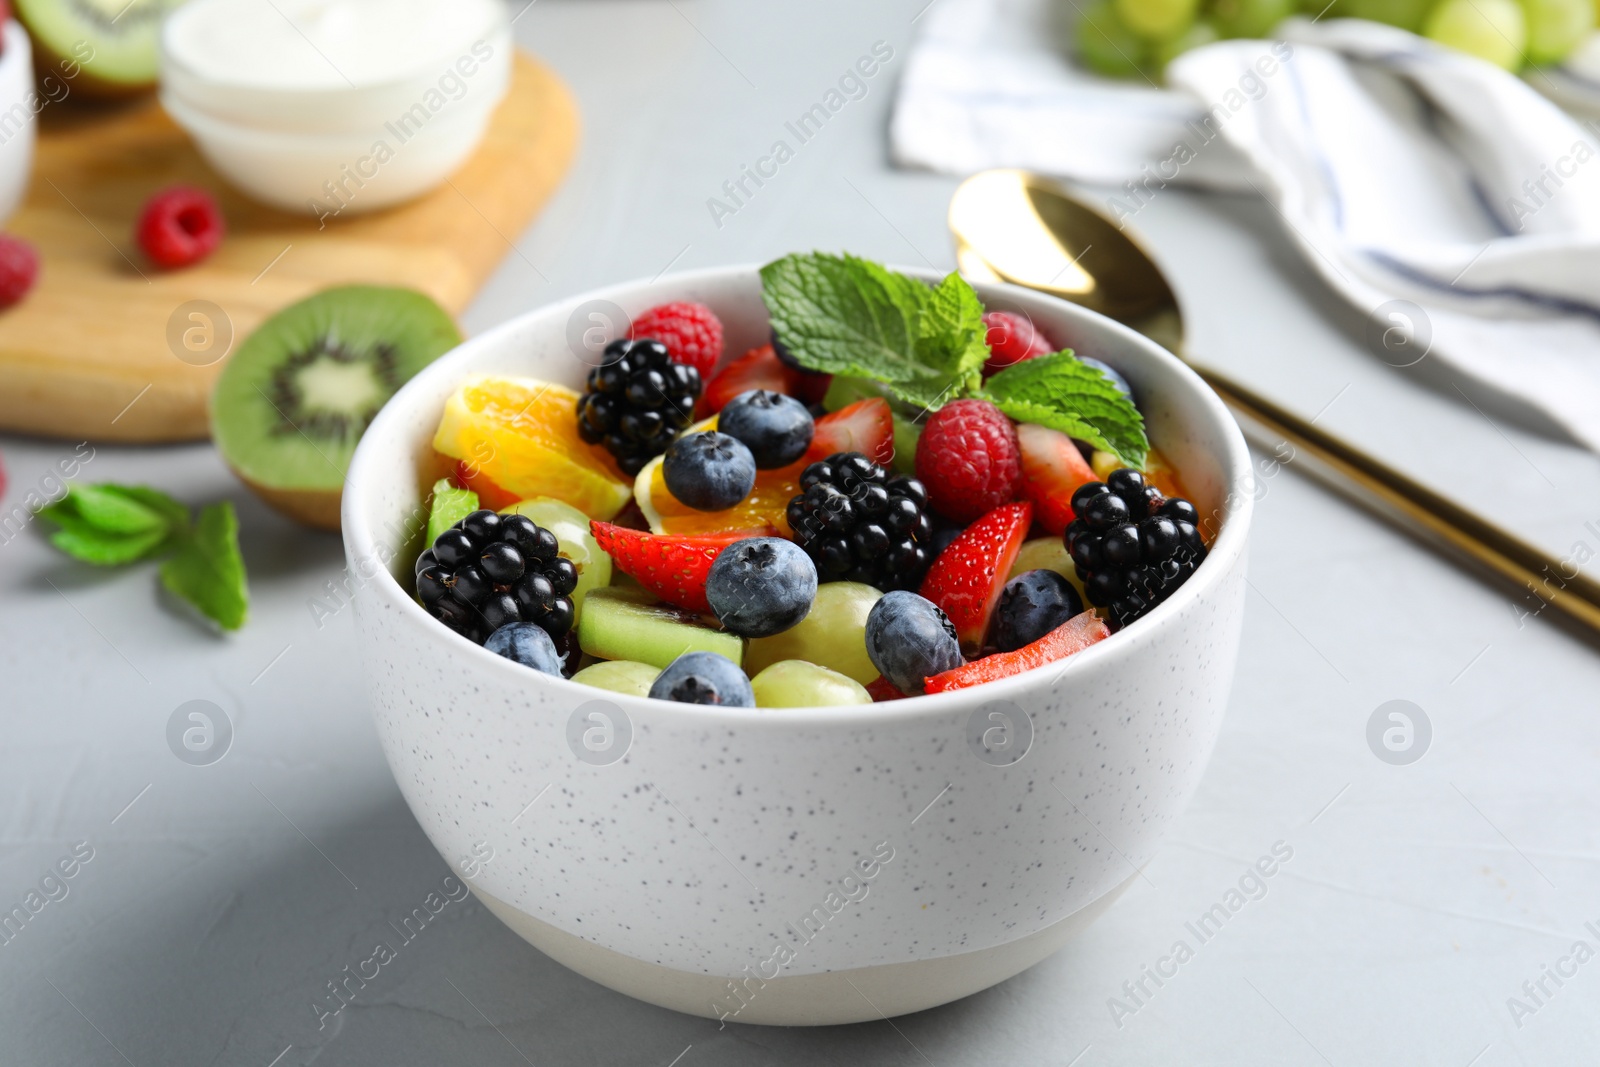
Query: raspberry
(969, 460)
(691, 332)
(1011, 339)
(19, 269)
(179, 227)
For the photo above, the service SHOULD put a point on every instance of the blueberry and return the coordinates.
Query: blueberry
(708, 471)
(776, 428)
(1110, 372)
(762, 586)
(704, 678)
(909, 640)
(528, 645)
(1031, 605)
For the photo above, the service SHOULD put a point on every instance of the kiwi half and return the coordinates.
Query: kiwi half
(115, 42)
(291, 403)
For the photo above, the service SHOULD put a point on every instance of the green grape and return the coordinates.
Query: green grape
(1202, 32)
(1493, 30)
(1105, 45)
(619, 676)
(1157, 20)
(571, 528)
(1407, 14)
(834, 634)
(1249, 18)
(1556, 27)
(794, 683)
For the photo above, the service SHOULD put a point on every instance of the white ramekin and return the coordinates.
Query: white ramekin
(347, 148)
(18, 119)
(672, 857)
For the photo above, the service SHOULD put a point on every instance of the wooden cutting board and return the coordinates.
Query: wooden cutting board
(87, 354)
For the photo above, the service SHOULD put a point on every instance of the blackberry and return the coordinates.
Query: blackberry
(1132, 547)
(860, 524)
(490, 570)
(638, 401)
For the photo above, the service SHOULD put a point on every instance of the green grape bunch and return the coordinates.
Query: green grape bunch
(1138, 38)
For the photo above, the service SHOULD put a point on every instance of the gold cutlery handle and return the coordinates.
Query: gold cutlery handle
(1541, 579)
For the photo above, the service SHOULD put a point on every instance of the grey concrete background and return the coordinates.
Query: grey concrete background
(220, 900)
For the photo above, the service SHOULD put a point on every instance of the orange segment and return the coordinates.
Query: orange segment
(765, 506)
(522, 435)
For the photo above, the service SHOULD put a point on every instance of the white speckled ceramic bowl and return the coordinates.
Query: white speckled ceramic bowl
(19, 105)
(806, 866)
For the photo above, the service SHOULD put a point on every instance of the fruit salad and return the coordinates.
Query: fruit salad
(903, 493)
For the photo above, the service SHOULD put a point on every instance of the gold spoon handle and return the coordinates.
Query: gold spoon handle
(1543, 580)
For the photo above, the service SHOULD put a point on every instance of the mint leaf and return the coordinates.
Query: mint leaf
(114, 509)
(848, 316)
(109, 524)
(107, 550)
(154, 499)
(1063, 393)
(843, 315)
(449, 506)
(951, 333)
(207, 569)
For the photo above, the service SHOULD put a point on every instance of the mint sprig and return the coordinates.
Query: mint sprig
(850, 316)
(1064, 393)
(112, 525)
(926, 345)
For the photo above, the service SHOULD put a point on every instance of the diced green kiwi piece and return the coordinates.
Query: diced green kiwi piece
(619, 676)
(291, 403)
(100, 47)
(448, 507)
(627, 624)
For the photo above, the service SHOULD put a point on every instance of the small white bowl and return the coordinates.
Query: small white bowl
(328, 144)
(796, 866)
(16, 139)
(323, 174)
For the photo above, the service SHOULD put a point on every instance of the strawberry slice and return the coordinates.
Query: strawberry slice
(867, 426)
(967, 577)
(1074, 635)
(1052, 468)
(470, 476)
(759, 368)
(673, 568)
(882, 689)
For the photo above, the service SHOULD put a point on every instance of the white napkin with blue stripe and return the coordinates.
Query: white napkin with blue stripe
(1441, 195)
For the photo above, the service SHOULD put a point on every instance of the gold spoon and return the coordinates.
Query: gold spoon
(1022, 228)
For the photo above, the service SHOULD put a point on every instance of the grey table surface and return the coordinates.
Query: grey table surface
(220, 900)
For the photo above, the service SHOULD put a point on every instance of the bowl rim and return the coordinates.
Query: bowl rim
(1224, 553)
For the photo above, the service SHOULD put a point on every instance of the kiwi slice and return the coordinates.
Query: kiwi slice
(113, 41)
(291, 403)
(627, 624)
